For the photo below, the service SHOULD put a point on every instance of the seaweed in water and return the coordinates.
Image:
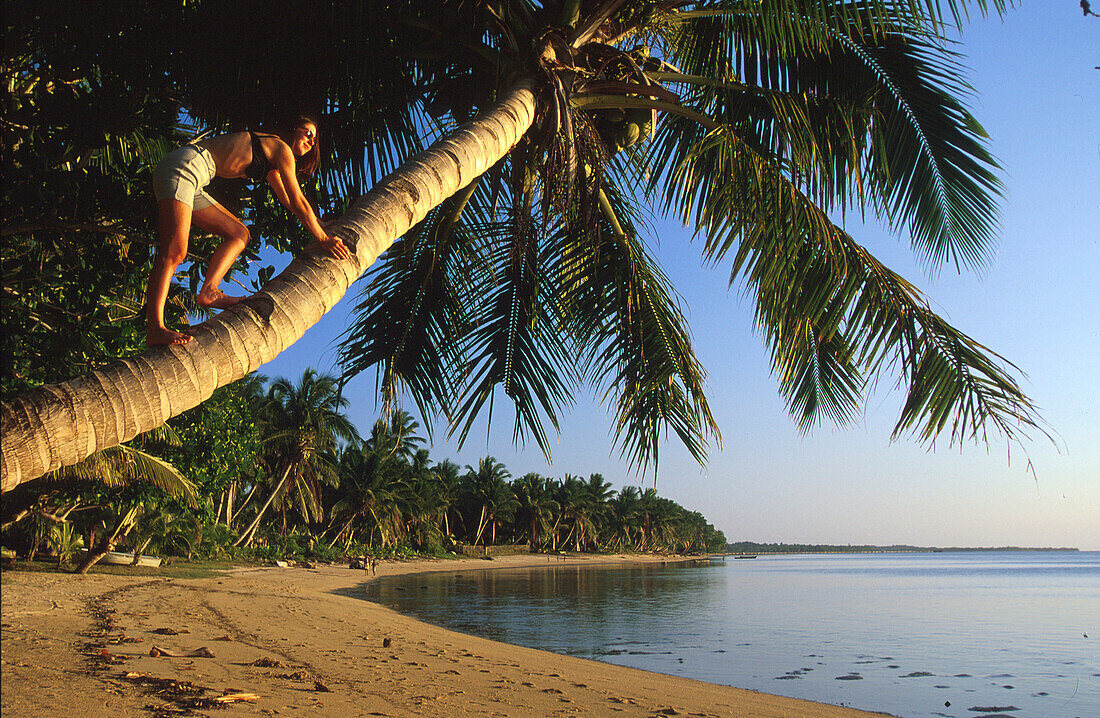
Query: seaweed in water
(993, 709)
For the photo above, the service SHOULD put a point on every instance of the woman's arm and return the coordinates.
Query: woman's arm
(284, 183)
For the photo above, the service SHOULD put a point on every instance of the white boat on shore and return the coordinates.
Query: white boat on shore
(124, 558)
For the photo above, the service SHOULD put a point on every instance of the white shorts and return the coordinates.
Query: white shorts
(183, 174)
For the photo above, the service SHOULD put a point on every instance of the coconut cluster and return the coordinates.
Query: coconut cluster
(624, 127)
(621, 128)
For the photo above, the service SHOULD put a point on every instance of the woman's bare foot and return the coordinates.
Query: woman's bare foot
(216, 299)
(159, 335)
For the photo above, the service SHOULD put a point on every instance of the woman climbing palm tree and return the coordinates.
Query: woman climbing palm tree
(180, 182)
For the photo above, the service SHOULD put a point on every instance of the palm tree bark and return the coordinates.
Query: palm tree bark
(60, 424)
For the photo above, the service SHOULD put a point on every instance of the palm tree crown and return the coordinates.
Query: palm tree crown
(754, 123)
(303, 425)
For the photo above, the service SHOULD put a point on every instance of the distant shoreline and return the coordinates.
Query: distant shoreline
(747, 547)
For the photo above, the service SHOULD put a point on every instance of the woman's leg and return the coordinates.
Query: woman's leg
(173, 226)
(218, 220)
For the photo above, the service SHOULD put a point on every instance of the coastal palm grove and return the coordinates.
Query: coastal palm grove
(274, 469)
(501, 159)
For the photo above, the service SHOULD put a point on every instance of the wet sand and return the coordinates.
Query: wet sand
(295, 641)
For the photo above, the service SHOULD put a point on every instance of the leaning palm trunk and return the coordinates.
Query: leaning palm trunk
(61, 424)
(250, 532)
(110, 540)
(480, 527)
(231, 516)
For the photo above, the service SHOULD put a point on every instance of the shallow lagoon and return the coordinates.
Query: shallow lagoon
(916, 635)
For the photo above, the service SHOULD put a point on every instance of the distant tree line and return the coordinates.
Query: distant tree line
(752, 547)
(271, 469)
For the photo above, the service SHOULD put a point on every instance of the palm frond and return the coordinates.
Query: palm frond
(798, 24)
(516, 342)
(122, 465)
(634, 340)
(928, 157)
(872, 116)
(831, 312)
(411, 312)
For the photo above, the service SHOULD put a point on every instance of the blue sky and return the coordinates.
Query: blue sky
(1037, 304)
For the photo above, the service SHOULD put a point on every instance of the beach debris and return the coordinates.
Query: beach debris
(170, 631)
(267, 663)
(226, 637)
(164, 684)
(186, 695)
(364, 564)
(993, 709)
(386, 642)
(321, 687)
(237, 697)
(106, 656)
(203, 652)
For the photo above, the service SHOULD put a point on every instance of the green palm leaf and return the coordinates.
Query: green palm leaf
(516, 342)
(868, 109)
(411, 313)
(122, 465)
(635, 341)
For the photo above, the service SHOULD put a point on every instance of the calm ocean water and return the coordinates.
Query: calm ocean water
(916, 635)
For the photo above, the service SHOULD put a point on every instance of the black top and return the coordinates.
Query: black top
(260, 166)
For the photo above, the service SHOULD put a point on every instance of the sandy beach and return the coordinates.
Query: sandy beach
(296, 641)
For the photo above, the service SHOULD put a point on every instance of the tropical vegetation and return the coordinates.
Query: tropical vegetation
(297, 481)
(522, 264)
